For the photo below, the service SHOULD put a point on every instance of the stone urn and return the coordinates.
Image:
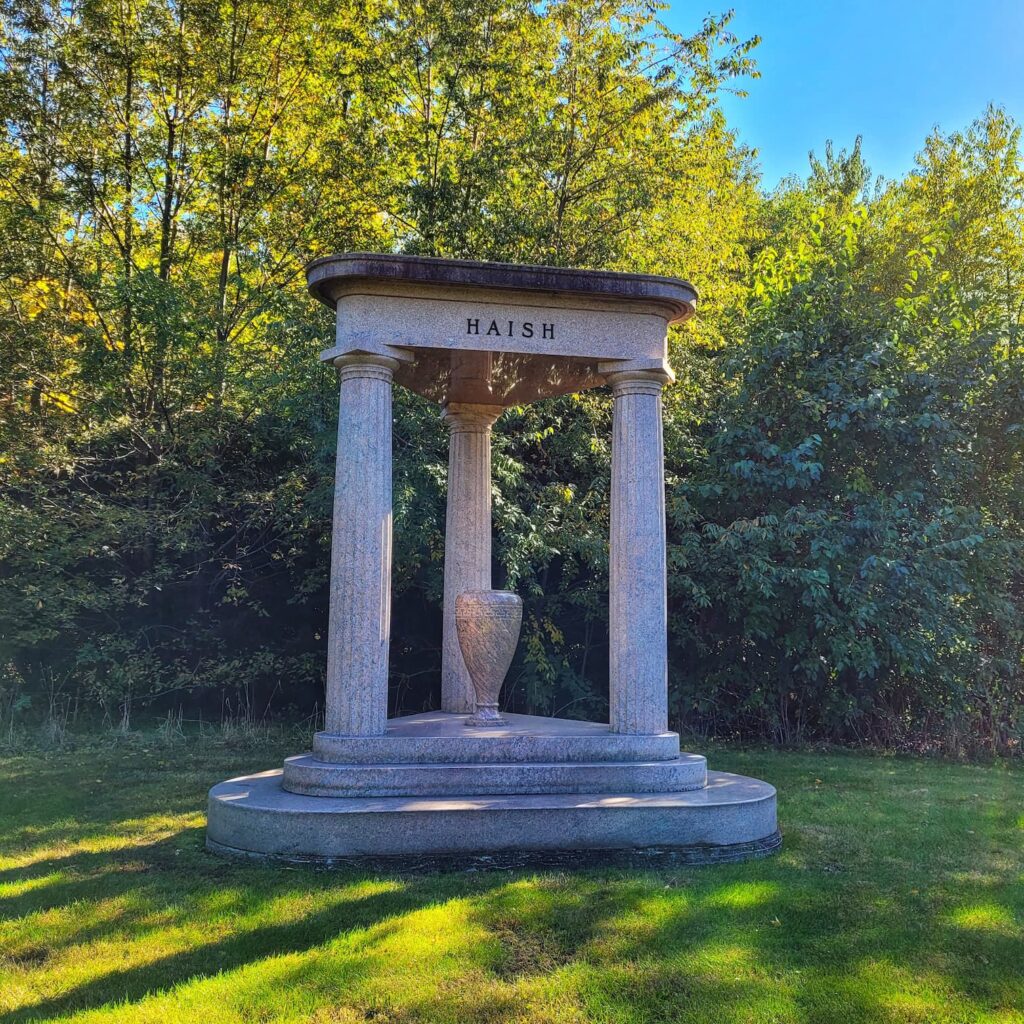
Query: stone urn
(487, 623)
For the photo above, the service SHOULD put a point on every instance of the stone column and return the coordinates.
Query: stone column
(360, 614)
(638, 612)
(467, 535)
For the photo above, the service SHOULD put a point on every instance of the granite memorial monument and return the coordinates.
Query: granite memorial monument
(467, 780)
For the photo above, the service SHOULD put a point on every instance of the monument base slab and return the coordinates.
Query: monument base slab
(538, 790)
(732, 818)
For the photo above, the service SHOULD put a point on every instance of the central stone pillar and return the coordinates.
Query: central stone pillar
(467, 537)
(638, 601)
(360, 616)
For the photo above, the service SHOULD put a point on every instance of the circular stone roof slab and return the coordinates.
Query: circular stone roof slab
(326, 274)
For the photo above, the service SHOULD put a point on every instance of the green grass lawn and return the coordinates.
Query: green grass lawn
(898, 896)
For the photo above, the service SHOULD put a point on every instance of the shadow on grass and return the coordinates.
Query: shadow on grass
(762, 939)
(909, 919)
(345, 912)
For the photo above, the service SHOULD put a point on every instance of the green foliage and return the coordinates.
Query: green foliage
(846, 557)
(844, 442)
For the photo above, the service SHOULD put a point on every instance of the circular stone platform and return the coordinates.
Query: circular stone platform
(732, 818)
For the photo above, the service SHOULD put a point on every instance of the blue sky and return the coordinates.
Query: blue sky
(889, 71)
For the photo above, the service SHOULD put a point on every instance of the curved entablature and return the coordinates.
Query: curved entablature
(497, 333)
(330, 275)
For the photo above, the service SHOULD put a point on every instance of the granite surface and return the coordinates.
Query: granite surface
(467, 535)
(306, 775)
(359, 631)
(488, 624)
(638, 602)
(546, 330)
(423, 789)
(324, 274)
(439, 737)
(647, 858)
(254, 814)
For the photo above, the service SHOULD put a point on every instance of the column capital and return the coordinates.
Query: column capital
(637, 382)
(365, 364)
(470, 416)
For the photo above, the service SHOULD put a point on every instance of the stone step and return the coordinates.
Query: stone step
(731, 818)
(438, 737)
(306, 775)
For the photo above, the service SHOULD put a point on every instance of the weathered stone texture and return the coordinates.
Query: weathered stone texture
(467, 537)
(638, 604)
(435, 737)
(306, 775)
(360, 614)
(488, 624)
(255, 815)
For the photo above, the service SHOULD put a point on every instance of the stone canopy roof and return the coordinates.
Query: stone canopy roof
(497, 333)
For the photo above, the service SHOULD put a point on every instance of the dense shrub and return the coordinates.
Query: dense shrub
(844, 442)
